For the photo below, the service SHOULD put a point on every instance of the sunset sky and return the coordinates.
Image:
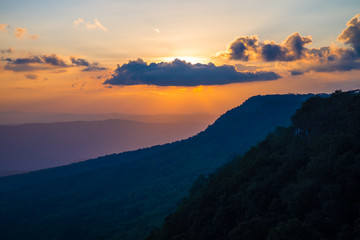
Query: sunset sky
(119, 56)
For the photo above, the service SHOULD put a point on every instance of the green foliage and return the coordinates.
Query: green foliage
(301, 182)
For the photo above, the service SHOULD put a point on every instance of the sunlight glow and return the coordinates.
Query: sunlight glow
(190, 59)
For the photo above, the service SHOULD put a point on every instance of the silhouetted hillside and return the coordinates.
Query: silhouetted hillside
(36, 146)
(123, 196)
(302, 182)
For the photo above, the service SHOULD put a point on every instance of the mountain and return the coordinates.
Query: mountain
(123, 196)
(301, 182)
(18, 117)
(36, 146)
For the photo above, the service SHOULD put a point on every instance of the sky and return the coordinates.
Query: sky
(155, 57)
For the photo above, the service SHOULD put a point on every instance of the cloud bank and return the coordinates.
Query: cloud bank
(181, 73)
(48, 62)
(293, 54)
(8, 50)
(251, 49)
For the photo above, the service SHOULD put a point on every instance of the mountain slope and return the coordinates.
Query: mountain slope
(123, 196)
(302, 182)
(30, 147)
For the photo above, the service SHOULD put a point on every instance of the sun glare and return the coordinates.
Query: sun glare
(189, 59)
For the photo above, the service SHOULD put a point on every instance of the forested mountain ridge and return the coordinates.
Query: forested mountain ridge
(301, 182)
(123, 196)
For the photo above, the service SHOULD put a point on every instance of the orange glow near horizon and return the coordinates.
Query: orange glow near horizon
(82, 92)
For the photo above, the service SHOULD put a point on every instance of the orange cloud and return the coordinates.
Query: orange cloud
(78, 22)
(4, 27)
(23, 33)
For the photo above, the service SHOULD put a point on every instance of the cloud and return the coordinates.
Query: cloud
(241, 67)
(351, 35)
(89, 25)
(95, 25)
(34, 59)
(54, 60)
(181, 73)
(18, 31)
(156, 30)
(48, 62)
(251, 49)
(244, 48)
(77, 22)
(23, 33)
(326, 59)
(293, 55)
(4, 27)
(90, 67)
(80, 61)
(9, 50)
(31, 76)
(19, 65)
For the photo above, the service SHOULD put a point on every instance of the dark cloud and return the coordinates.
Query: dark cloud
(25, 60)
(48, 62)
(33, 63)
(31, 76)
(327, 59)
(54, 60)
(250, 48)
(90, 67)
(94, 67)
(297, 57)
(294, 45)
(79, 61)
(25, 67)
(243, 47)
(181, 73)
(351, 35)
(9, 50)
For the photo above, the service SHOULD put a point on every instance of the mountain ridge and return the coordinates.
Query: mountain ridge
(301, 182)
(125, 195)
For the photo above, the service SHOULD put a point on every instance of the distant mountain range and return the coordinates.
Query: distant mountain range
(123, 196)
(34, 146)
(18, 117)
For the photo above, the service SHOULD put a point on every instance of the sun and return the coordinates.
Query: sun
(190, 59)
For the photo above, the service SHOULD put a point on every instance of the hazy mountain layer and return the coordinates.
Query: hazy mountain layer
(37, 146)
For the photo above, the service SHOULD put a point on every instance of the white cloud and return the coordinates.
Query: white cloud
(77, 22)
(95, 25)
(157, 30)
(89, 25)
